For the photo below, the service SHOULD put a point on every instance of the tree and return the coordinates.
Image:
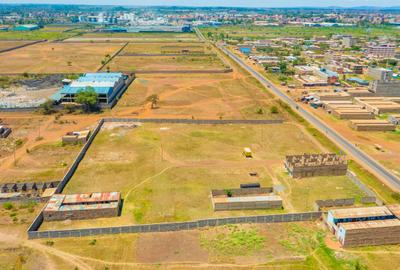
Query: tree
(88, 98)
(47, 107)
(154, 100)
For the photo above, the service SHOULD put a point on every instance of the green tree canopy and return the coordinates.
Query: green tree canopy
(88, 98)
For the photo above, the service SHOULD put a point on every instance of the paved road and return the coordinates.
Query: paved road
(373, 165)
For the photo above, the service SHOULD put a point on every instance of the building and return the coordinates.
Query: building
(349, 41)
(372, 125)
(82, 206)
(394, 119)
(379, 105)
(384, 51)
(365, 226)
(380, 74)
(28, 190)
(4, 132)
(107, 86)
(309, 165)
(245, 199)
(330, 76)
(76, 137)
(26, 27)
(390, 88)
(358, 81)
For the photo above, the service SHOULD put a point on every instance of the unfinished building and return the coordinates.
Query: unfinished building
(309, 165)
(245, 199)
(379, 105)
(27, 190)
(352, 114)
(365, 226)
(372, 125)
(4, 132)
(76, 137)
(82, 206)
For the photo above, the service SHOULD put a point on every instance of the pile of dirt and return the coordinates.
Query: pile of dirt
(47, 81)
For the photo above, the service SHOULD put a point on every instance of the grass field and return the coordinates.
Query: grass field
(166, 172)
(49, 34)
(137, 37)
(57, 58)
(129, 63)
(262, 32)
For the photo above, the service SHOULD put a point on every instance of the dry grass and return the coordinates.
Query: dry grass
(133, 63)
(166, 173)
(57, 58)
(10, 44)
(210, 96)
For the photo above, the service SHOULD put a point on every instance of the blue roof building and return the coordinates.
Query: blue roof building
(106, 85)
(26, 27)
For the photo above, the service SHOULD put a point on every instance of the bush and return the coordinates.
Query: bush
(396, 196)
(8, 206)
(93, 242)
(260, 111)
(274, 109)
(47, 107)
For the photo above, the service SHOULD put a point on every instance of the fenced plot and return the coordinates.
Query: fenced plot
(57, 58)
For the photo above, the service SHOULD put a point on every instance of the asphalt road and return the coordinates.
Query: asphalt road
(350, 148)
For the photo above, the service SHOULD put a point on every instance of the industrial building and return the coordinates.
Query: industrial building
(106, 85)
(372, 125)
(245, 199)
(384, 50)
(4, 132)
(309, 165)
(76, 137)
(82, 206)
(26, 27)
(365, 226)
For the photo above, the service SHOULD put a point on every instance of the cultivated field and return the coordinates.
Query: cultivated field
(227, 96)
(57, 58)
(166, 172)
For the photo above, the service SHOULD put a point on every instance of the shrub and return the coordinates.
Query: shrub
(8, 206)
(274, 109)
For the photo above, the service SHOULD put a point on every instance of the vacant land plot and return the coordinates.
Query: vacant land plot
(166, 172)
(170, 63)
(262, 32)
(4, 44)
(137, 37)
(226, 96)
(57, 58)
(35, 35)
(158, 48)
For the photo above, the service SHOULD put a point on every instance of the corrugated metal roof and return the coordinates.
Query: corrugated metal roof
(259, 198)
(370, 224)
(376, 211)
(85, 201)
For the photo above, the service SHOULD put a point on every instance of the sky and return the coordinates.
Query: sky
(232, 3)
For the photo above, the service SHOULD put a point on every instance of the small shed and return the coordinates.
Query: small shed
(247, 152)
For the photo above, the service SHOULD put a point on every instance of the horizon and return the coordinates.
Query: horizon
(222, 4)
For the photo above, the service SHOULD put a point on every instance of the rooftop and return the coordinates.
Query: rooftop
(376, 211)
(85, 201)
(370, 224)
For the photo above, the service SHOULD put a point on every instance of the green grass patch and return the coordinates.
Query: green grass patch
(234, 241)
